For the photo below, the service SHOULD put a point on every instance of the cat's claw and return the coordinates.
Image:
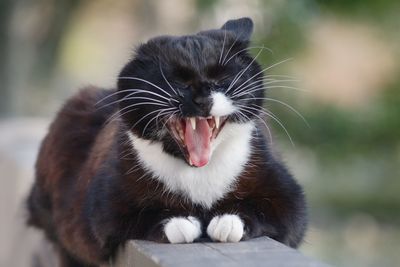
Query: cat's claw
(182, 229)
(226, 228)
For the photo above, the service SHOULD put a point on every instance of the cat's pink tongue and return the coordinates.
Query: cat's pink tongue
(198, 142)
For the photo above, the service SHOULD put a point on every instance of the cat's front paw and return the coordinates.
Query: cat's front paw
(226, 228)
(182, 229)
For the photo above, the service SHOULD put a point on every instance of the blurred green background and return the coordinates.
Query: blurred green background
(346, 54)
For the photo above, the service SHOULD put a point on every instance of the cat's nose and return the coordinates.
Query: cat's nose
(202, 105)
(196, 101)
(201, 101)
(201, 94)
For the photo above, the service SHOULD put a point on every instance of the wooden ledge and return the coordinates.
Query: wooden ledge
(261, 251)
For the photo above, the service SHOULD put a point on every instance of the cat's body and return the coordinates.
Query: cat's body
(103, 179)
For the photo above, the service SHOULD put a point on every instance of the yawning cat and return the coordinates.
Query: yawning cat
(175, 153)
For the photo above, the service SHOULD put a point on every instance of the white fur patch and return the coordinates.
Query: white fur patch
(205, 185)
(182, 229)
(226, 228)
(222, 105)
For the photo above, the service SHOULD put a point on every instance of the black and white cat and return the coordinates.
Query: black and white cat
(174, 154)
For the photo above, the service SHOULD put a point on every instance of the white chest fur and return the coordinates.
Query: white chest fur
(205, 185)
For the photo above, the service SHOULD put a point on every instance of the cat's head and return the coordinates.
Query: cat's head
(182, 91)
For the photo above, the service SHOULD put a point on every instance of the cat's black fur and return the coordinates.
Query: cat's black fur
(91, 194)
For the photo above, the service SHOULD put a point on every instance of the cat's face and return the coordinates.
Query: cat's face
(182, 91)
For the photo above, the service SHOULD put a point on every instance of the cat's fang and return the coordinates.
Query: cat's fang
(181, 135)
(216, 119)
(193, 122)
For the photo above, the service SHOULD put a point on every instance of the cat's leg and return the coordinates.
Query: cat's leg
(182, 229)
(172, 228)
(226, 228)
(159, 225)
(279, 213)
(238, 225)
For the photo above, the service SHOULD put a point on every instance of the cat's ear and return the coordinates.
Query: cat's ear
(243, 28)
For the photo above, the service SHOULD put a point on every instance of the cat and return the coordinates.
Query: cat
(174, 154)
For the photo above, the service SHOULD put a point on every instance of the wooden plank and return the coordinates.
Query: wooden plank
(261, 251)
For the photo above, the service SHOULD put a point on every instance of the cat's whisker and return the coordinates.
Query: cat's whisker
(245, 49)
(161, 114)
(286, 105)
(234, 78)
(138, 90)
(274, 117)
(155, 118)
(256, 88)
(262, 71)
(260, 79)
(118, 114)
(111, 95)
(248, 66)
(268, 129)
(282, 103)
(148, 114)
(249, 90)
(165, 78)
(124, 91)
(129, 97)
(265, 84)
(114, 102)
(147, 98)
(170, 117)
(281, 76)
(267, 81)
(222, 50)
(150, 83)
(241, 115)
(148, 103)
(246, 108)
(229, 50)
(244, 70)
(239, 92)
(155, 94)
(287, 87)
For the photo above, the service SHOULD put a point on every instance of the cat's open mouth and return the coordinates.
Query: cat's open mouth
(195, 135)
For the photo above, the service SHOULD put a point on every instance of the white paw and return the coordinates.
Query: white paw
(182, 229)
(226, 228)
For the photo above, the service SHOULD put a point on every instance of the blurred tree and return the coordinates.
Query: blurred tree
(48, 46)
(31, 43)
(5, 9)
(371, 8)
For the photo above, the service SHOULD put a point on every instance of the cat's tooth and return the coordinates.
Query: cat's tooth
(216, 119)
(181, 135)
(190, 162)
(193, 122)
